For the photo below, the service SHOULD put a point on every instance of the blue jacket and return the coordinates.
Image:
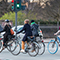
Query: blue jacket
(34, 28)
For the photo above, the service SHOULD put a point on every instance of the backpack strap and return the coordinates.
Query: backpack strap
(9, 26)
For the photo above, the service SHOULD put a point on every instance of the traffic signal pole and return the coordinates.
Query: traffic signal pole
(16, 23)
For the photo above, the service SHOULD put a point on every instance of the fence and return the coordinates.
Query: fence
(48, 31)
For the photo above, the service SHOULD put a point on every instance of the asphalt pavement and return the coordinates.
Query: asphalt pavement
(6, 55)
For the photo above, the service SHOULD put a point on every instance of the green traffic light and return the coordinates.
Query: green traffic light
(18, 6)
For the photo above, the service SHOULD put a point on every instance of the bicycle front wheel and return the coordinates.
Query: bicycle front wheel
(17, 49)
(52, 47)
(34, 50)
(11, 46)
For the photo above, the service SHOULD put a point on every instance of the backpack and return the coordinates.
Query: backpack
(35, 30)
(11, 31)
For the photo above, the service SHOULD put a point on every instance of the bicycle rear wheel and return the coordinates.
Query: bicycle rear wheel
(41, 47)
(52, 47)
(36, 49)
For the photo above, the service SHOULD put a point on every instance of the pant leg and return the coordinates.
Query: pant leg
(5, 39)
(23, 42)
(23, 45)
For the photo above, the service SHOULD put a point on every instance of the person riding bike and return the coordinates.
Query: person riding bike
(34, 28)
(57, 33)
(7, 32)
(28, 32)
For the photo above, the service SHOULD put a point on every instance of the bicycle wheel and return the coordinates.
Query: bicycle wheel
(41, 47)
(36, 49)
(1, 46)
(11, 46)
(17, 50)
(52, 47)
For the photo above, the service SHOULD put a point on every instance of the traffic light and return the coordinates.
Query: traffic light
(18, 5)
(12, 5)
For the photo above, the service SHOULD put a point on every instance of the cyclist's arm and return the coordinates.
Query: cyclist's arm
(57, 32)
(21, 30)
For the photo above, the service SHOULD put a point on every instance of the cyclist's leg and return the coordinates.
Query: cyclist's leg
(23, 46)
(55, 38)
(4, 41)
(23, 42)
(58, 39)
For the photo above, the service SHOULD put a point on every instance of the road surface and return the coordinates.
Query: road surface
(6, 55)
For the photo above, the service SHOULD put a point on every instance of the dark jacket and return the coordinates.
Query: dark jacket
(34, 28)
(7, 29)
(27, 30)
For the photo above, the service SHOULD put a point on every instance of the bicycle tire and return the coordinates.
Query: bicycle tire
(55, 47)
(36, 44)
(15, 54)
(10, 47)
(41, 45)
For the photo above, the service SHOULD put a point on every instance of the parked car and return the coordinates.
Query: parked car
(18, 29)
(1, 30)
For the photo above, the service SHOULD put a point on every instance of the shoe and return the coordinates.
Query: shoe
(32, 50)
(3, 48)
(23, 51)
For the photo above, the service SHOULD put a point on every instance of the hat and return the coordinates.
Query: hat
(32, 21)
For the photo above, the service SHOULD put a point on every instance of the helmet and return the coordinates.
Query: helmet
(7, 20)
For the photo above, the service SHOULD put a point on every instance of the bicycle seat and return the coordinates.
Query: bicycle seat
(31, 38)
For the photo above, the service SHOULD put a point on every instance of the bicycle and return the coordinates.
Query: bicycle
(29, 46)
(41, 45)
(53, 46)
(11, 45)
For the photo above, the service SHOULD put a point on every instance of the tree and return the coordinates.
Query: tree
(20, 17)
(52, 10)
(6, 0)
(2, 0)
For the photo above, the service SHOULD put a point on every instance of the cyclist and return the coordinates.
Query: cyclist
(57, 33)
(34, 28)
(28, 32)
(7, 32)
